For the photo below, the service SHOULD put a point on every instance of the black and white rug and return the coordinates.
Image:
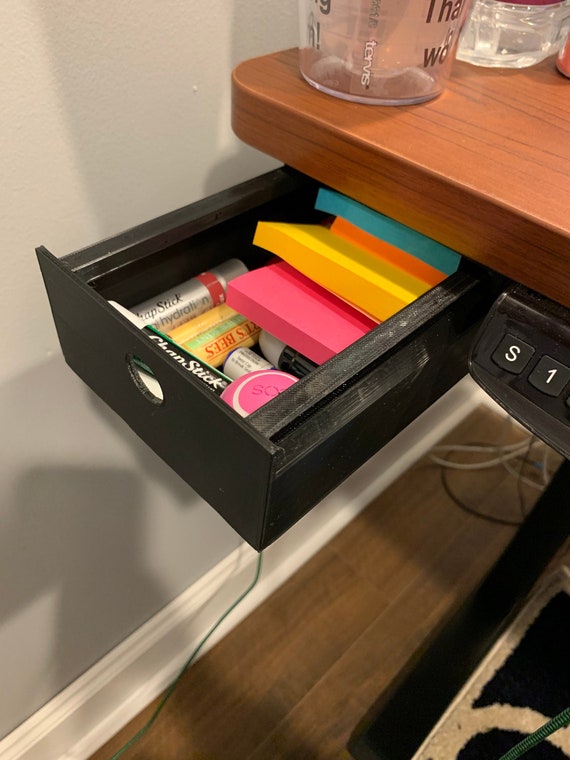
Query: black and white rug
(522, 683)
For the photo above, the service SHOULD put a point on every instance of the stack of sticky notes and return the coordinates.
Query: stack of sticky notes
(331, 284)
(297, 311)
(406, 239)
(348, 271)
(372, 262)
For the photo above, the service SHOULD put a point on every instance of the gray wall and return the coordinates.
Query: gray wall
(112, 113)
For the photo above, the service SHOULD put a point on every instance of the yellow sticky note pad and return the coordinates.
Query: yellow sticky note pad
(345, 269)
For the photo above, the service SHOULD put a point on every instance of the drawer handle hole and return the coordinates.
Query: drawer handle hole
(144, 379)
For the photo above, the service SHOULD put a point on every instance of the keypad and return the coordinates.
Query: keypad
(549, 376)
(521, 357)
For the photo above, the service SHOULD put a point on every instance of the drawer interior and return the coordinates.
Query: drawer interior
(262, 473)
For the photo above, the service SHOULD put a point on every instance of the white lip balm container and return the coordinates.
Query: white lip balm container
(242, 361)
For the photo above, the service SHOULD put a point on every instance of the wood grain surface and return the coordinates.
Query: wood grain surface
(484, 168)
(293, 679)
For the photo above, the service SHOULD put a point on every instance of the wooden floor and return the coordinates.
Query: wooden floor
(293, 679)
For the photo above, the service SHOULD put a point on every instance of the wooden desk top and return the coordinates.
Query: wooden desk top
(484, 168)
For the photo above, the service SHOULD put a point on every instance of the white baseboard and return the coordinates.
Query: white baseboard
(79, 720)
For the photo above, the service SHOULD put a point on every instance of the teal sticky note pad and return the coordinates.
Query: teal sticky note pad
(424, 248)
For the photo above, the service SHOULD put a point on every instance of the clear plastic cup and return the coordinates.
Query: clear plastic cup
(386, 52)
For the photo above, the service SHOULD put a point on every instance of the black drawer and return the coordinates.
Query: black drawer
(261, 473)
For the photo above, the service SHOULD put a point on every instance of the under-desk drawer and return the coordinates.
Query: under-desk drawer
(263, 472)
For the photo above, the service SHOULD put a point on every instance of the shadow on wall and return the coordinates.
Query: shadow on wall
(57, 540)
(74, 544)
(80, 498)
(149, 465)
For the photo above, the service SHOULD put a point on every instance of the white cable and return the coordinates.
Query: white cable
(522, 478)
(513, 454)
(481, 447)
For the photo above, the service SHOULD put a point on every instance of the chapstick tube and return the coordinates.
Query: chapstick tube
(284, 357)
(211, 378)
(254, 390)
(190, 298)
(242, 361)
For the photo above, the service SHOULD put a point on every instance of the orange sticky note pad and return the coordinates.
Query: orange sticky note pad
(387, 252)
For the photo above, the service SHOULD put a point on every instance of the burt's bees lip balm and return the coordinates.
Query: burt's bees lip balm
(254, 390)
(189, 299)
(213, 345)
(200, 324)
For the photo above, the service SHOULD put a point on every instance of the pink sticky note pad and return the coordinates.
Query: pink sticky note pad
(296, 310)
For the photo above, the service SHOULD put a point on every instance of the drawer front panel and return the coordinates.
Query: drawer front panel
(264, 472)
(221, 457)
(376, 405)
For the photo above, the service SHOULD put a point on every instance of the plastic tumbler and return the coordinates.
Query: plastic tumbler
(385, 52)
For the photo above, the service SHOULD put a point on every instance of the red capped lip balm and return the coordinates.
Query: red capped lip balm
(255, 389)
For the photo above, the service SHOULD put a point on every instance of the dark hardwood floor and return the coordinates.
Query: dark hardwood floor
(294, 678)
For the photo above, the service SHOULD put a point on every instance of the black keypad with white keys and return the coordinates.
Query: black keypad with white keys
(521, 357)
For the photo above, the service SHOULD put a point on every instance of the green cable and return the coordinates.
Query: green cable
(559, 721)
(133, 740)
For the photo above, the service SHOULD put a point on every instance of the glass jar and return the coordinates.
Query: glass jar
(514, 34)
